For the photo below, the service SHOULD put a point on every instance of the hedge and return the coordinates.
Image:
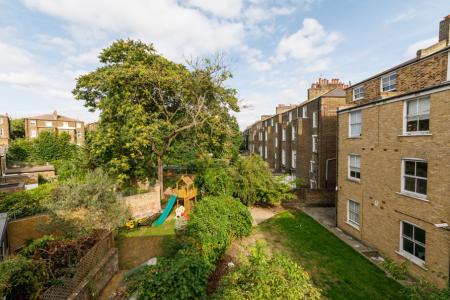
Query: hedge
(215, 221)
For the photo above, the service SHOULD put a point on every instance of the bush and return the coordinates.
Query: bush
(47, 147)
(255, 183)
(214, 222)
(22, 278)
(26, 203)
(262, 278)
(424, 290)
(78, 207)
(215, 180)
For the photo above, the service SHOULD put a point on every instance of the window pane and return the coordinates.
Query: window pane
(424, 107)
(421, 169)
(419, 235)
(424, 125)
(407, 229)
(358, 175)
(421, 186)
(410, 184)
(408, 246)
(411, 125)
(409, 167)
(420, 252)
(412, 108)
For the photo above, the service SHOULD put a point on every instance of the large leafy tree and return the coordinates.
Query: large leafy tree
(17, 128)
(147, 102)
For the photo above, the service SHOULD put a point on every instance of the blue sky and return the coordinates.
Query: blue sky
(275, 49)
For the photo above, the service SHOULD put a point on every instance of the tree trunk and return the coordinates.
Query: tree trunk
(161, 177)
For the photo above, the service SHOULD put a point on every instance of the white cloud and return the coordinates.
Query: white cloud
(223, 8)
(255, 14)
(401, 17)
(308, 44)
(255, 59)
(412, 49)
(175, 30)
(60, 43)
(12, 57)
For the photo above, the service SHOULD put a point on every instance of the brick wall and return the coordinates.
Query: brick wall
(381, 148)
(424, 73)
(144, 204)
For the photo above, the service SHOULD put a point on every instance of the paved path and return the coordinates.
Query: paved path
(261, 214)
(327, 217)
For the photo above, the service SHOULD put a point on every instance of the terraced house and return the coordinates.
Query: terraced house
(394, 161)
(300, 140)
(55, 123)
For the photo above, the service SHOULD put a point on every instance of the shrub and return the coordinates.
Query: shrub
(213, 224)
(255, 183)
(22, 278)
(397, 271)
(262, 278)
(19, 150)
(424, 290)
(26, 203)
(78, 207)
(215, 180)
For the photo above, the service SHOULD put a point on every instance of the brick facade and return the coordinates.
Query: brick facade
(4, 132)
(382, 195)
(55, 123)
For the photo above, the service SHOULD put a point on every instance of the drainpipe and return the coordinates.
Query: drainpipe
(337, 167)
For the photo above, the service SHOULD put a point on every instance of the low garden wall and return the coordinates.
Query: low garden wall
(24, 229)
(316, 197)
(144, 204)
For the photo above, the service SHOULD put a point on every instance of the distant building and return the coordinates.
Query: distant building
(4, 132)
(300, 140)
(91, 126)
(57, 124)
(394, 161)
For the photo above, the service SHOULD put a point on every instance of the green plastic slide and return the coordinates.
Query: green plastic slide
(166, 211)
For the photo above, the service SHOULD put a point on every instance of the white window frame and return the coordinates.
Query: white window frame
(283, 157)
(1, 121)
(260, 136)
(351, 168)
(33, 122)
(389, 81)
(260, 150)
(78, 125)
(403, 175)
(283, 134)
(315, 119)
(351, 124)
(275, 155)
(265, 152)
(358, 213)
(304, 111)
(314, 143)
(265, 135)
(418, 116)
(290, 116)
(406, 254)
(48, 124)
(276, 142)
(294, 159)
(276, 127)
(358, 92)
(293, 133)
(312, 184)
(312, 166)
(33, 133)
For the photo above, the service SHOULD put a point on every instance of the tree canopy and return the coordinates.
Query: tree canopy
(148, 102)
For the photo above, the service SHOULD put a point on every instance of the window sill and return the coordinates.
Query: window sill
(405, 134)
(414, 196)
(417, 262)
(354, 180)
(357, 99)
(352, 225)
(354, 137)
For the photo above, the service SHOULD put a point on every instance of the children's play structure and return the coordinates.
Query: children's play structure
(185, 194)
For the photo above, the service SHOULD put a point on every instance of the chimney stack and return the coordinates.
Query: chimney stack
(444, 29)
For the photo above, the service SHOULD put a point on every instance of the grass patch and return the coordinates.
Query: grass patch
(335, 267)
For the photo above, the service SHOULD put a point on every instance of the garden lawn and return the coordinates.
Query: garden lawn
(335, 267)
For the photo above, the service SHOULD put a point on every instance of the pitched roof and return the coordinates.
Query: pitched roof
(54, 116)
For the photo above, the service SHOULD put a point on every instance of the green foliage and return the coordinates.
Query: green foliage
(17, 129)
(22, 278)
(78, 207)
(147, 103)
(215, 180)
(42, 242)
(255, 183)
(47, 147)
(26, 203)
(261, 277)
(214, 222)
(424, 290)
(397, 271)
